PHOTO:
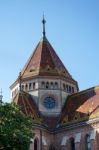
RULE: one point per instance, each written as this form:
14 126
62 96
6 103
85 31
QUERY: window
67 89
36 144
51 85
72 143
26 87
64 87
22 87
43 84
33 85
30 86
88 142
72 89
47 85
56 85
49 102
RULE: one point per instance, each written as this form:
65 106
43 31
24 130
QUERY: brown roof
45 62
28 106
81 106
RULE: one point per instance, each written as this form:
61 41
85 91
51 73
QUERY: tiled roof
28 106
45 62
81 106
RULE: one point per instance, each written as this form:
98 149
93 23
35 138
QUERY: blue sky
72 27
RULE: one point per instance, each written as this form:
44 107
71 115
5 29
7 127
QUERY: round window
49 102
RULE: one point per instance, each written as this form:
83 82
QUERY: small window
33 85
30 86
67 88
26 87
88 142
51 85
22 87
72 89
56 85
47 85
64 87
43 84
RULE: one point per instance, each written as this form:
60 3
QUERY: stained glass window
49 102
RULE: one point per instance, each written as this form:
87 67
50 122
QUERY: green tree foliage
15 128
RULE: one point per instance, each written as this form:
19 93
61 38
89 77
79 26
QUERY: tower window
51 85
64 87
26 87
22 87
43 84
33 85
56 85
47 85
67 89
70 89
30 86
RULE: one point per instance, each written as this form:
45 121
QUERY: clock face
49 102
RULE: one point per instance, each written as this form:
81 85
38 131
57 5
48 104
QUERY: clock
49 102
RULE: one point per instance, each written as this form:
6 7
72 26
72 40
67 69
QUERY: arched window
56 85
33 85
22 87
30 86
51 85
67 89
70 89
43 84
88 142
72 144
64 87
47 85
26 87
36 144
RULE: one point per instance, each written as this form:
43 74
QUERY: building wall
61 140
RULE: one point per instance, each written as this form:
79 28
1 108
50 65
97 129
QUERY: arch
88 142
72 143
36 142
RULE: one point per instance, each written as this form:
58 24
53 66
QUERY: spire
43 21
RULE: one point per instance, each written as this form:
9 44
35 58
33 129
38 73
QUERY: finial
1 96
43 21
20 81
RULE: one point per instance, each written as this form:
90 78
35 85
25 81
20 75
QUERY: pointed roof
44 61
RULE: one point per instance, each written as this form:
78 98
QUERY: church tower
45 78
